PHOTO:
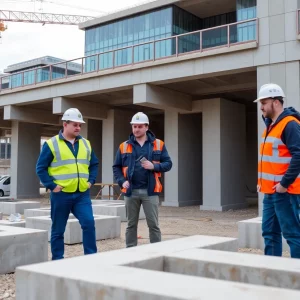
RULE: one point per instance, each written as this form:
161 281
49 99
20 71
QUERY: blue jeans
281 214
81 206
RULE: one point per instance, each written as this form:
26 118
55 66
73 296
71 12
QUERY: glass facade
160 24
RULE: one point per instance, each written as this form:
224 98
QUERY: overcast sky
24 41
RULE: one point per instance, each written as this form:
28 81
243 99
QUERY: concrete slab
37 212
21 246
107 227
147 262
14 224
238 267
8 208
114 210
250 235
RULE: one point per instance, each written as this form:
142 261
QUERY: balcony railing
173 46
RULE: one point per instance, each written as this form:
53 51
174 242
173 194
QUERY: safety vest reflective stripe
272 177
158 145
70 176
125 148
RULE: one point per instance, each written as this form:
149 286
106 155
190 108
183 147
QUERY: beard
270 114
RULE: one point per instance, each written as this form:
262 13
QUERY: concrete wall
172 141
233 153
122 127
190 159
25 152
251 154
224 146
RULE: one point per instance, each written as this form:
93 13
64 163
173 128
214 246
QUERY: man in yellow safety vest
68 167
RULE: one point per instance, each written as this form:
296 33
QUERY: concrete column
25 149
116 129
224 150
287 75
172 177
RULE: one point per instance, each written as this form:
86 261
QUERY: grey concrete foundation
243 276
107 227
14 224
21 246
115 210
250 235
37 212
8 208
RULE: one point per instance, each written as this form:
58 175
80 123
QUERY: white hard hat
270 90
73 114
139 118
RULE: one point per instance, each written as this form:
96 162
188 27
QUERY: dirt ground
174 223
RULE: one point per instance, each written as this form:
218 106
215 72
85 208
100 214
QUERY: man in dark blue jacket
137 168
68 167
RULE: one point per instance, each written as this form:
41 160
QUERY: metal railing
173 46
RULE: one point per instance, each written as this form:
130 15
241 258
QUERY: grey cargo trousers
150 206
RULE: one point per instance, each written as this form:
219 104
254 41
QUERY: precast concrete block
21 246
107 227
37 212
14 224
150 262
250 235
8 208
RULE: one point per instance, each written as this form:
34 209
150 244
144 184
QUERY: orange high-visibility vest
127 148
275 159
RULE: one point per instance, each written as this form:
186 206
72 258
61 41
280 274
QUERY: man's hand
126 185
147 165
89 185
279 188
57 189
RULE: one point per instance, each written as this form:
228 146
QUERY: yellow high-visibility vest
69 172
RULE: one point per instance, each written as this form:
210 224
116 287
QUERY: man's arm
93 168
44 161
117 169
165 164
291 138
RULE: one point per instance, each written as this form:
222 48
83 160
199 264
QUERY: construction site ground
175 223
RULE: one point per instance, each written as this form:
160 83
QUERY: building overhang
200 8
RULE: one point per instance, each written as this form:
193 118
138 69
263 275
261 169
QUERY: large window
246 10
135 30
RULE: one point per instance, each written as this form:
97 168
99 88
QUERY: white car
4 186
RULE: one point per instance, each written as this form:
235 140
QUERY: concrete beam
29 115
161 98
90 110
227 89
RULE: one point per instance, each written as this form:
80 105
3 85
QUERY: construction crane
43 18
